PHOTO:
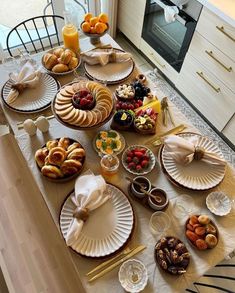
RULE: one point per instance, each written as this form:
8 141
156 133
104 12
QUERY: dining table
54 194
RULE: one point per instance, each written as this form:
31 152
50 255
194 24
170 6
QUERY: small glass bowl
219 203
183 206
133 276
109 164
159 223
141 180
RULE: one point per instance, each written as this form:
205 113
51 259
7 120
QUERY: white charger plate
197 175
33 100
111 73
107 229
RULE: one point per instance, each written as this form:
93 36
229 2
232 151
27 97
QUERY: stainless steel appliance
170 40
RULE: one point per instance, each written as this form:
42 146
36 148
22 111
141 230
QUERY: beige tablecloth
159 282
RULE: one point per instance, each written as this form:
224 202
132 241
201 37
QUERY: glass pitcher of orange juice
70 34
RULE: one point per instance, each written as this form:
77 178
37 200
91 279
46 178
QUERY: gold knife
104 264
117 263
174 130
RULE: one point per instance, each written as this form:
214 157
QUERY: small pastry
77 154
40 156
42 123
58 52
211 240
70 167
73 63
204 219
51 171
57 156
66 57
64 142
59 68
50 60
73 146
52 144
30 127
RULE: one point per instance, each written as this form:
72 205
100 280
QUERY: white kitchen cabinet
206 92
160 62
229 130
130 19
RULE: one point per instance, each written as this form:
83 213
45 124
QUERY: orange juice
70 35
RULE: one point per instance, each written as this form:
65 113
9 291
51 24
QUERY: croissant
73 146
49 60
70 167
64 142
51 171
40 156
56 156
51 144
77 154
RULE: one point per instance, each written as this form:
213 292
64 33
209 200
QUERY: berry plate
138 160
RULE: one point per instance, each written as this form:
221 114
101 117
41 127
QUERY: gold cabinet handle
217 89
210 53
221 29
161 65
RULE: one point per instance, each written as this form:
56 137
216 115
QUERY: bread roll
51 171
73 146
65 57
52 144
70 167
71 52
77 154
49 60
56 156
59 68
58 52
64 142
73 63
40 156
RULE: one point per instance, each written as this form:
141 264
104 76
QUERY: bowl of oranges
95 26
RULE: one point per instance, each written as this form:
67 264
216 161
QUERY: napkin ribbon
184 151
90 194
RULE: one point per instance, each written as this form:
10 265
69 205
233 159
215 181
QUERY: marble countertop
224 9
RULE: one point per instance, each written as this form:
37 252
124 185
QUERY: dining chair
36 34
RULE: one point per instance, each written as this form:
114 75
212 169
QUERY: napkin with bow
89 194
105 57
185 151
27 77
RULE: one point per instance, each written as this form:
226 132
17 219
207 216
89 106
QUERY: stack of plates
198 175
107 229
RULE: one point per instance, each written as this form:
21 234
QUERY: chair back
36 34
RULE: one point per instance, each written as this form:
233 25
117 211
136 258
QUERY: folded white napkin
182 150
27 77
104 57
89 194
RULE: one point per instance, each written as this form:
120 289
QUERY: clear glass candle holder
159 223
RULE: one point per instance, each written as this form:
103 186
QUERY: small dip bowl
136 188
161 194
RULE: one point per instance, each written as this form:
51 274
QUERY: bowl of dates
138 160
171 255
83 100
201 232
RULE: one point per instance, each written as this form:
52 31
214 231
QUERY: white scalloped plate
197 175
111 73
33 100
107 229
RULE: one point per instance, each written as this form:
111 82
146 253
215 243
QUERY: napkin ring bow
81 214
18 87
198 153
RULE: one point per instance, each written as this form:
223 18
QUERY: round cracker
69 89
81 118
98 115
60 107
88 120
94 118
69 116
63 98
64 93
62 113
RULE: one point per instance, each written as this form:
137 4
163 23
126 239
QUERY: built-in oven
170 39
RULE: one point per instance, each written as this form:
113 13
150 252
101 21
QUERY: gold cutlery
118 262
157 140
104 264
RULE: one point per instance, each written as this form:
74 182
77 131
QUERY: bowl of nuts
125 92
201 232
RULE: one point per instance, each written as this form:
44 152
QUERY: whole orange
87 17
103 18
100 27
93 21
93 30
86 27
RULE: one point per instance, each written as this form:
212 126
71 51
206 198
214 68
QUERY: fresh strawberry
130 154
145 158
135 160
89 97
138 168
131 165
128 159
138 154
84 102
144 163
